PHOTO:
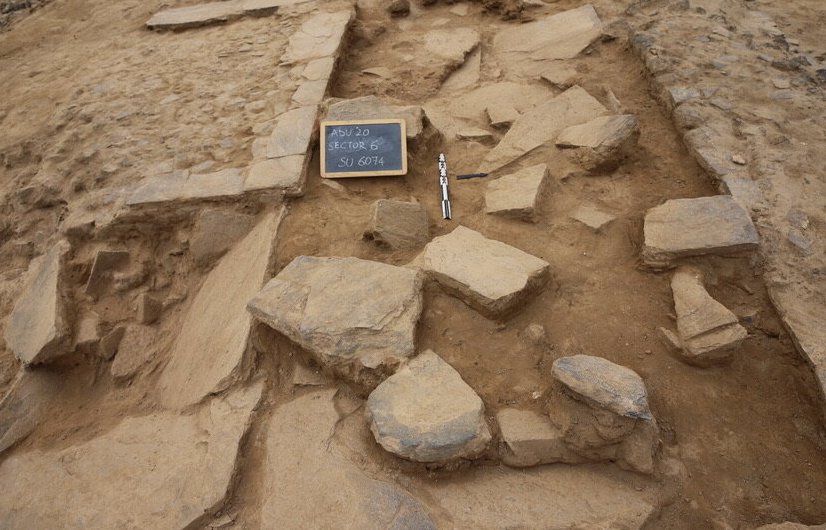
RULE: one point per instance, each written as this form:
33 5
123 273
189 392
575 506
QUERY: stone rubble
170 471
602 143
425 412
542 125
518 194
355 316
682 228
326 489
490 276
708 331
215 331
37 330
397 225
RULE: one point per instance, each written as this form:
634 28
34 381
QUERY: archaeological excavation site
413 264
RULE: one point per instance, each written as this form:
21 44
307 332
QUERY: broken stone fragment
397 225
518 195
542 125
501 116
602 143
109 343
26 403
319 69
37 330
293 132
354 316
164 470
310 92
181 187
87 336
453 44
591 217
529 439
559 74
526 49
692 227
149 308
327 489
215 231
104 264
287 174
399 8
475 134
319 36
425 412
214 335
137 347
490 276
196 15
708 331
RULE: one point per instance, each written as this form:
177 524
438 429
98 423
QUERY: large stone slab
26 403
517 195
210 352
708 331
37 330
195 15
524 49
397 225
542 125
309 483
690 227
319 36
158 471
287 174
182 186
355 316
427 413
548 497
490 276
602 143
293 132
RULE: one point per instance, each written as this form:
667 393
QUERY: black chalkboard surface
363 148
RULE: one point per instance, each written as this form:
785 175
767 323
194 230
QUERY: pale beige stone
453 44
466 75
138 347
591 217
87 335
529 438
319 69
216 230
501 115
601 143
293 132
287 174
163 470
310 92
425 412
26 404
559 74
215 332
518 195
182 186
397 224
490 276
474 133
319 36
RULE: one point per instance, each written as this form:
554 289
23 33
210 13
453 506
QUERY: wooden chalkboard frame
348 174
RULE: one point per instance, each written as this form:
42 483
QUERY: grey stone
602 143
37 330
466 75
163 470
745 191
149 308
525 49
708 331
87 335
310 92
682 94
355 316
542 125
319 36
398 225
216 231
691 227
293 132
591 217
601 383
137 348
518 195
326 489
215 332
529 439
488 275
109 343
26 403
425 412
104 264
287 174
181 187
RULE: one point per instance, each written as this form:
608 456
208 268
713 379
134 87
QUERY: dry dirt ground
91 97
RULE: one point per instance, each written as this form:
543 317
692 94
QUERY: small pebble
739 160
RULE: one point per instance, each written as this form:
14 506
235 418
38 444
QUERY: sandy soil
92 97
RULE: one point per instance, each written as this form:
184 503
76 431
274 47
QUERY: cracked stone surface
518 195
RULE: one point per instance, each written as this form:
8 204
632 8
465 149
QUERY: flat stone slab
691 227
453 44
136 350
397 225
524 49
542 125
353 315
560 74
425 412
517 195
26 403
37 330
599 382
287 174
293 132
158 471
210 352
529 438
215 231
323 488
319 36
490 276
708 331
182 186
601 143
591 217
196 15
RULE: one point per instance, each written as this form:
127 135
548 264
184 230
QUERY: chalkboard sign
363 148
